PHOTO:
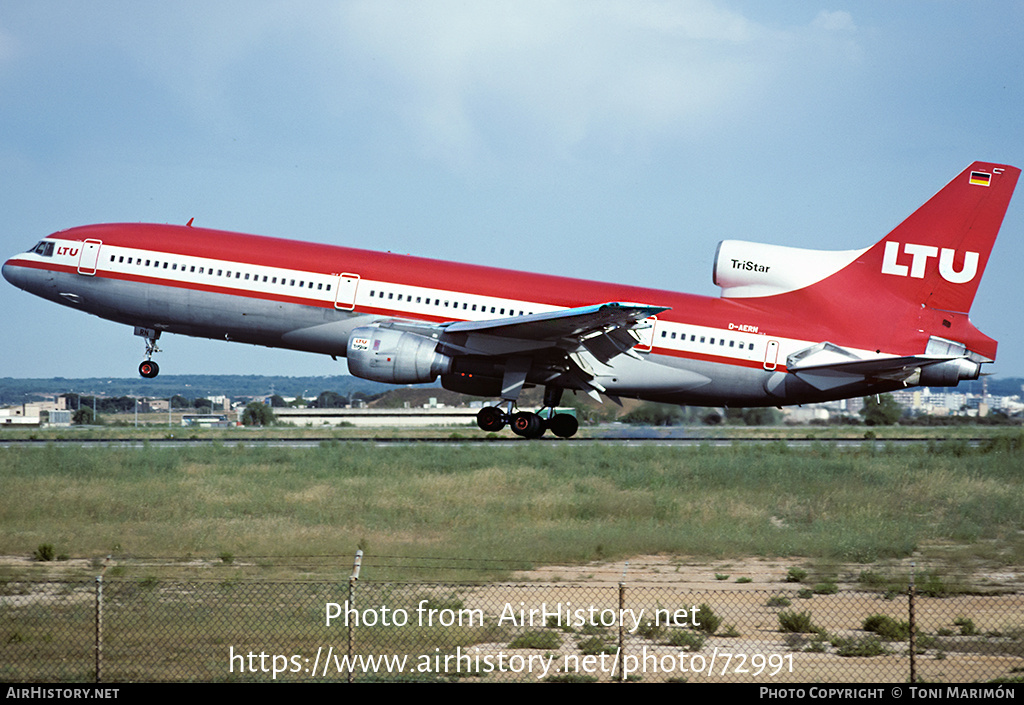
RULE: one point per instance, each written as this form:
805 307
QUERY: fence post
911 592
622 606
98 648
352 605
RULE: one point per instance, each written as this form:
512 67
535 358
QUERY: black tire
490 419
149 369
563 425
527 425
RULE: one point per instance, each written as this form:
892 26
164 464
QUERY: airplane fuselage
792 326
309 297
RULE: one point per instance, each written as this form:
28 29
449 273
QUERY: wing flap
558 343
566 323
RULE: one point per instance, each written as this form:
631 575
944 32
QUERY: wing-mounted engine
747 269
395 356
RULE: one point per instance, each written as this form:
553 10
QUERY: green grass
519 504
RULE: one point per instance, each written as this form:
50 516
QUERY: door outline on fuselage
345 297
646 335
771 355
89 257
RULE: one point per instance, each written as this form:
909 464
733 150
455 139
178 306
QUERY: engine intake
395 357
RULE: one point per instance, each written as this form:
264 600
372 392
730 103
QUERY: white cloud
624 70
837 21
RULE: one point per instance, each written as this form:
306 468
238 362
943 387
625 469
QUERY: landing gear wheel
489 419
527 425
149 369
563 425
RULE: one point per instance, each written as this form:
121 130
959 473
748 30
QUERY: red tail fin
914 285
935 258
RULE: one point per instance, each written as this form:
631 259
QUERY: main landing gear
148 368
528 424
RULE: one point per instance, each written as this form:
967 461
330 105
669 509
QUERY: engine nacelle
394 356
745 269
949 373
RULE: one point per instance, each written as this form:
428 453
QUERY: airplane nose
13 274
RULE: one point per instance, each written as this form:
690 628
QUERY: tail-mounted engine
949 373
745 269
394 356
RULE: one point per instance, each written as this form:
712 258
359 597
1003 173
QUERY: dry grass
525 504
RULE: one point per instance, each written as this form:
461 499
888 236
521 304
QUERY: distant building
33 413
206 420
442 416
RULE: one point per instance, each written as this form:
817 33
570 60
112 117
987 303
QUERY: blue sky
611 140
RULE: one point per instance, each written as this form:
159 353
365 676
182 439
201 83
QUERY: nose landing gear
148 368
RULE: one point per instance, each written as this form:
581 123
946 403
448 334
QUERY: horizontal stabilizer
826 366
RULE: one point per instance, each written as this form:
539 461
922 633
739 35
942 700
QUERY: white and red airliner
792 326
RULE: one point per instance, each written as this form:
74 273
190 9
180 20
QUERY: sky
615 140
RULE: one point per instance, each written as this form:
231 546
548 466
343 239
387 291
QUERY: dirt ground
750 646
763 573
975 634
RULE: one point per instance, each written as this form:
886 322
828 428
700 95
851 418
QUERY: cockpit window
44 248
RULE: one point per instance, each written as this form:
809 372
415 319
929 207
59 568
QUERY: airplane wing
560 347
827 366
604 330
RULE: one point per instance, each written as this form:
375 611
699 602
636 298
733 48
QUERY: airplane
791 326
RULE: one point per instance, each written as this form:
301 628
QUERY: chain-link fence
155 630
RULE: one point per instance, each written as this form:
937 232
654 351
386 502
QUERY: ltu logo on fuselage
920 254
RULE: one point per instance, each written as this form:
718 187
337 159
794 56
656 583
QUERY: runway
449 438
